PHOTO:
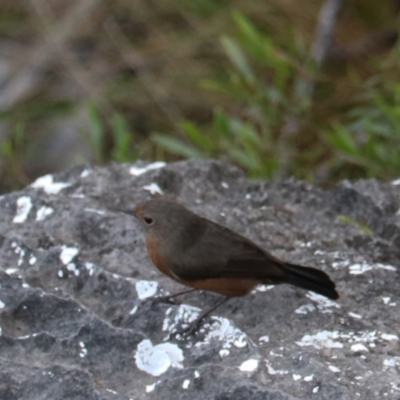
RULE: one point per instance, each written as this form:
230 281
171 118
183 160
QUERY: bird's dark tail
310 279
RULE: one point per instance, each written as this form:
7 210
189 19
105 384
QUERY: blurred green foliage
269 85
193 79
261 78
122 148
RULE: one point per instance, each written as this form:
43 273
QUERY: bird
205 255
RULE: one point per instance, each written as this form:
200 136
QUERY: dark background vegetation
278 87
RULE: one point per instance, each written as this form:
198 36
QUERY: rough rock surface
77 320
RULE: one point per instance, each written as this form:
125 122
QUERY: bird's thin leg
170 296
193 325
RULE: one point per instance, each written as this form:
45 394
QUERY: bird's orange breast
158 260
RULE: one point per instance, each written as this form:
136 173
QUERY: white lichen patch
24 206
156 360
221 329
82 350
48 185
136 171
305 309
86 172
308 378
95 211
90 267
184 315
249 365
146 289
387 336
20 252
185 384
43 213
263 339
358 347
392 362
263 288
354 315
68 254
323 304
296 377
153 188
11 271
322 339
273 371
334 369
361 268
360 341
73 268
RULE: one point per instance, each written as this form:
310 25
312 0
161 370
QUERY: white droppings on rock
224 185
43 212
389 337
11 271
82 350
392 362
2 305
184 315
73 268
90 267
263 339
273 371
60 273
358 269
264 288
322 339
136 171
133 311
221 329
86 172
68 254
95 211
386 267
358 347
48 185
185 383
32 259
155 360
249 365
296 377
196 374
340 264
324 305
354 315
315 390
224 352
146 289
305 309
395 182
24 206
334 369
150 388
153 188
308 378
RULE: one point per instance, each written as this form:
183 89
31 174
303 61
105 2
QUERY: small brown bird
202 254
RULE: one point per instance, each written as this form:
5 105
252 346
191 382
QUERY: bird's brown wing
220 252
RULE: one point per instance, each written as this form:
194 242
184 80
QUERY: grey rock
74 276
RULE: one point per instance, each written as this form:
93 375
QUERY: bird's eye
148 220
